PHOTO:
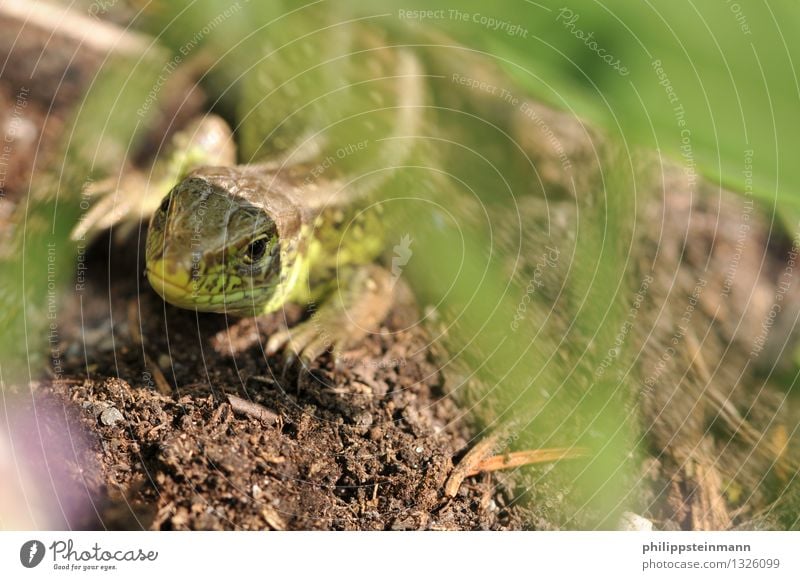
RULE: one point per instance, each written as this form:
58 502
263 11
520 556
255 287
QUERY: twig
162 385
739 426
133 322
68 381
272 518
253 410
99 35
483 449
528 457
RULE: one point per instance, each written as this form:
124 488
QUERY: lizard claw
338 324
277 341
305 341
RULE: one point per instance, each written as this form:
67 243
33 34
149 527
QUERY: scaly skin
247 239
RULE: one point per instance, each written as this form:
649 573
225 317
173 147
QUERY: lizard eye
256 250
165 203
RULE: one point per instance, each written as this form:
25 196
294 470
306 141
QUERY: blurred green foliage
40 266
729 65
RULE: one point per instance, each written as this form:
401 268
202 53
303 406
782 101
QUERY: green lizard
304 222
247 239
301 220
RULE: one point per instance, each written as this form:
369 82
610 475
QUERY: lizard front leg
122 202
354 308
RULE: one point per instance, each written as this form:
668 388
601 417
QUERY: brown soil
146 386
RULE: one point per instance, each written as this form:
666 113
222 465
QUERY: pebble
631 522
110 416
364 419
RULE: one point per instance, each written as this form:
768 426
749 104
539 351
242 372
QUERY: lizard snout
170 280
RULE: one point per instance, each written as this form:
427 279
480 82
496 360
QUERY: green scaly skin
245 241
248 239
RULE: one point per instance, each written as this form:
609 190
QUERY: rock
631 522
110 416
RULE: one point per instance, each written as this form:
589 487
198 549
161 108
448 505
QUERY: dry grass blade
527 457
253 410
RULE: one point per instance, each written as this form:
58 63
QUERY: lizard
247 239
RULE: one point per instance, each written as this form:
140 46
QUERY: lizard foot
350 313
123 202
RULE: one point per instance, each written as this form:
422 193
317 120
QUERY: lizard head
211 250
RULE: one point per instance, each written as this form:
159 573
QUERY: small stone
110 416
631 522
99 407
404 524
105 344
364 419
431 313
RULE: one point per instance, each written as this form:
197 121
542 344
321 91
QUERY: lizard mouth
177 288
173 286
